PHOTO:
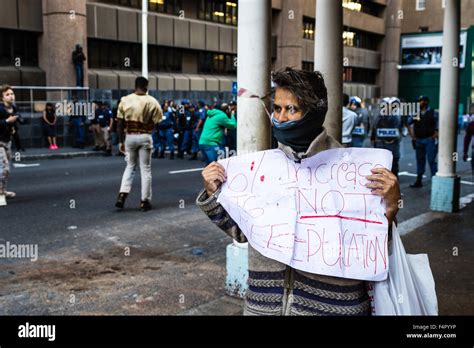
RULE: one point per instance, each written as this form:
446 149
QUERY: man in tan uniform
136 118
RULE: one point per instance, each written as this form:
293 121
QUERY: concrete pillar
145 39
328 59
391 49
253 128
445 188
290 35
64 26
253 74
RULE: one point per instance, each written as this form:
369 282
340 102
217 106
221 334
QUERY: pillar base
237 269
445 192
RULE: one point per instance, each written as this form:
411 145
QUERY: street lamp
145 38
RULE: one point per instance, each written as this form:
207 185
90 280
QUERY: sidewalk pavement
33 154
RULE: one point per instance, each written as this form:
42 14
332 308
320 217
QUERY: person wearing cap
362 126
388 126
276 288
137 116
349 119
424 132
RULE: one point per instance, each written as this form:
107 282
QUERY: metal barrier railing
42 95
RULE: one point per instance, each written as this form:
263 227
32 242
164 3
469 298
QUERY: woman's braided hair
307 86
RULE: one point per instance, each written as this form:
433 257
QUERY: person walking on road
137 116
8 117
49 125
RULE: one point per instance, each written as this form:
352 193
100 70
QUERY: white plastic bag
409 288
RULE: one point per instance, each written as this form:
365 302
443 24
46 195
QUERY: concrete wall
432 16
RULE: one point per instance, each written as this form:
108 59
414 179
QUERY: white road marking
186 171
21 165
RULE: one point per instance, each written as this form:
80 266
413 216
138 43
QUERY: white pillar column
145 38
253 124
445 188
253 74
328 59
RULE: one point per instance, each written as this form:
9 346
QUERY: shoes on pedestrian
180 155
162 154
103 148
55 147
10 194
122 197
145 205
418 183
3 200
108 153
96 148
194 157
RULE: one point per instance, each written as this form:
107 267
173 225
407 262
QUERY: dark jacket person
300 108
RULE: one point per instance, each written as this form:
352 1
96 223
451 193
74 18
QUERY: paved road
66 207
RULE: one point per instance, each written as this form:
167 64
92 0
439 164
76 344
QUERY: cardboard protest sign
317 215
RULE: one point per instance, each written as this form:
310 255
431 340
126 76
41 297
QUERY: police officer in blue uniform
166 132
388 126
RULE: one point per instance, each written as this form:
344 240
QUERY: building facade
421 51
193 44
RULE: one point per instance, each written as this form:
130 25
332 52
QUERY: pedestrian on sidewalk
424 133
300 109
137 116
49 125
8 117
469 139
212 137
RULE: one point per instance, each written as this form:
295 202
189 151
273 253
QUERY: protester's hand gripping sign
316 216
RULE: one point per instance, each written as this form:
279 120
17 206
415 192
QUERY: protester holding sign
275 288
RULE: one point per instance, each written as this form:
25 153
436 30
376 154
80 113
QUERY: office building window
105 54
220 11
308 66
368 7
161 6
216 63
18 48
420 5
308 28
361 39
359 75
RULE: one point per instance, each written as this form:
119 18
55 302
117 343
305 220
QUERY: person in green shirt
212 135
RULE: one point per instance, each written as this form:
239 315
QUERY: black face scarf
300 134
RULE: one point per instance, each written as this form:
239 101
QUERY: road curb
53 156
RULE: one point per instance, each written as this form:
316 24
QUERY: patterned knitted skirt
265 296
